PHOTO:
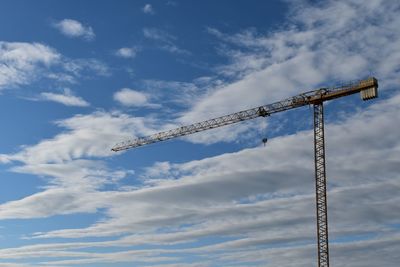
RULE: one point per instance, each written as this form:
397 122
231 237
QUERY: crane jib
367 87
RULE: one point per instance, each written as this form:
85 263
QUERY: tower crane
368 89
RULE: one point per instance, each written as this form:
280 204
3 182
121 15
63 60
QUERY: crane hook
265 140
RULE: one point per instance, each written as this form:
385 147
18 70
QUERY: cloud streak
67 98
165 40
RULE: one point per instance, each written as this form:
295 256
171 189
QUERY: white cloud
73 28
66 98
148 9
48 203
22 63
132 98
126 52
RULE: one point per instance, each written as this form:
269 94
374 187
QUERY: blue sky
78 77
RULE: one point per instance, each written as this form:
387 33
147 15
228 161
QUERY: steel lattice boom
368 89
300 100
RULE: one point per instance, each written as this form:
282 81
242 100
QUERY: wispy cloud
158 35
148 9
132 98
178 93
74 29
22 63
126 52
25 63
171 3
81 67
166 41
66 98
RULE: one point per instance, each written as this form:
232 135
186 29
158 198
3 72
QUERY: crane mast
368 89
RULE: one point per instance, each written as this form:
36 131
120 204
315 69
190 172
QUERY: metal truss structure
320 185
